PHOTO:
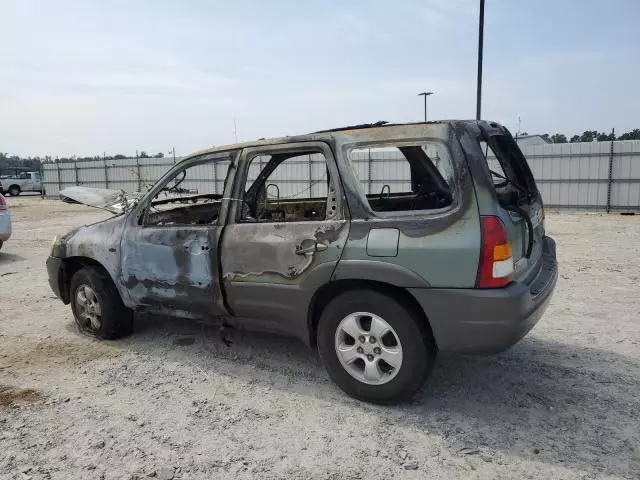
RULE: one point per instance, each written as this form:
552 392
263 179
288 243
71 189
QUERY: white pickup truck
23 182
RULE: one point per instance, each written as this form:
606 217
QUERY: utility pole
480 48
425 95
235 129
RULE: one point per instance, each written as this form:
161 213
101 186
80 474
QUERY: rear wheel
14 190
97 307
374 348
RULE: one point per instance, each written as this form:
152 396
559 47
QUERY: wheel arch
334 288
70 266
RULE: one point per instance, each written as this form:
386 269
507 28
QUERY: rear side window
405 177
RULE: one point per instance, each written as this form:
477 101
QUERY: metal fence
592 176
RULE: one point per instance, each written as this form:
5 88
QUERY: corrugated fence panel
576 175
68 174
625 191
571 175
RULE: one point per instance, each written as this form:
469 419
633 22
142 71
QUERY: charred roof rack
355 127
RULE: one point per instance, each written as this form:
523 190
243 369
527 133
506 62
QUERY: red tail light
3 203
496 263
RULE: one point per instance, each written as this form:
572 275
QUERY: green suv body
402 241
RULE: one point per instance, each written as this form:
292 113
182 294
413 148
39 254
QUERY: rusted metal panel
114 201
99 242
172 269
267 252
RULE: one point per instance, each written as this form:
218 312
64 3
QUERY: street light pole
425 95
480 48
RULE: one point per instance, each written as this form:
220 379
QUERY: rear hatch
520 204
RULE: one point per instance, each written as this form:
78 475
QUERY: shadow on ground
7 258
548 401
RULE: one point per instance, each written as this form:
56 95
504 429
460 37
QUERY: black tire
418 346
115 320
14 190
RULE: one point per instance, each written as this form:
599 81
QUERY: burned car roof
369 129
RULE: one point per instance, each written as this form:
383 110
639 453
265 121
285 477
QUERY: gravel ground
172 401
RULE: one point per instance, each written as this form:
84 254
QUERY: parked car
5 221
451 258
23 182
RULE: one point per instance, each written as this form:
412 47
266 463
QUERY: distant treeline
590 136
10 163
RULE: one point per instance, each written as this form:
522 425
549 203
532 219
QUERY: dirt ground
172 401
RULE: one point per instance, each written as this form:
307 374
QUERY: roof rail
355 127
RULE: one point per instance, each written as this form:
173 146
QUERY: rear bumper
54 269
489 321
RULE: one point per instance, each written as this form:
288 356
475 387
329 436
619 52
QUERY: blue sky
86 77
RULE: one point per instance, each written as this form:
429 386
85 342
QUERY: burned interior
270 195
183 201
424 181
511 178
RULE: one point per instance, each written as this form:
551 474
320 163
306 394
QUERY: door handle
321 247
315 247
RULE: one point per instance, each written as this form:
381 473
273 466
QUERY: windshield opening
192 196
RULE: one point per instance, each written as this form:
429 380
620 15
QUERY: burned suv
402 241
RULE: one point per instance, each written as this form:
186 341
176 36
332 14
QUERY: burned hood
114 201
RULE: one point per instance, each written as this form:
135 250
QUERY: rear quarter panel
442 247
442 258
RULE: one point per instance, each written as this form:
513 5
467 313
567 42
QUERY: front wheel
97 307
14 190
374 348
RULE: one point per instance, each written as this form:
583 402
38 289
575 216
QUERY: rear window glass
405 177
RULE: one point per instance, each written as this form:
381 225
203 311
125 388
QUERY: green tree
588 135
558 138
575 138
159 155
632 135
143 154
605 137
